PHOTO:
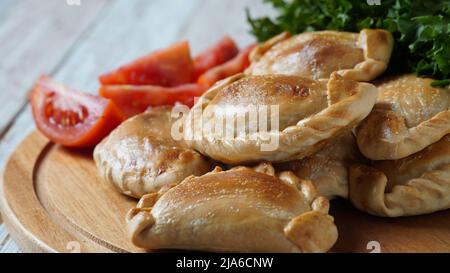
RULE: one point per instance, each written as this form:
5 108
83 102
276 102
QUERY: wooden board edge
26 240
25 231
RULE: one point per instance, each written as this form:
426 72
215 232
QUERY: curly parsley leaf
421 28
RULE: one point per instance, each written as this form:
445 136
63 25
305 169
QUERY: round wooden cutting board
52 200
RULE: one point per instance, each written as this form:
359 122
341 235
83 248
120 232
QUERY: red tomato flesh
221 52
166 67
236 65
70 117
133 100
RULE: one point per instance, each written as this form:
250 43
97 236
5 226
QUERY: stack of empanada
384 146
407 136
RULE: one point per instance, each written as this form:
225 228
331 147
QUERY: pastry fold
329 168
316 55
304 115
409 116
239 210
140 156
417 184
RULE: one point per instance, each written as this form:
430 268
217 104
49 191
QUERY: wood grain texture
126 31
9 246
53 199
35 37
215 18
37 230
3 235
23 125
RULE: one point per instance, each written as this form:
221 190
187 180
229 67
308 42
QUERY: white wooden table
75 43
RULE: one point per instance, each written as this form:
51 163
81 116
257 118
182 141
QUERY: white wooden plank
5 7
216 18
128 30
3 234
9 246
34 37
23 125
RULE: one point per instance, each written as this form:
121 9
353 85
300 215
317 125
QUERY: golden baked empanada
328 168
417 184
140 156
240 210
316 55
409 115
308 114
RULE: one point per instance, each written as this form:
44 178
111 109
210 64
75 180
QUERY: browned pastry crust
140 156
240 210
311 113
409 115
329 168
417 184
316 55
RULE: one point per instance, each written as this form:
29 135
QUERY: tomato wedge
219 53
135 99
166 67
236 65
72 118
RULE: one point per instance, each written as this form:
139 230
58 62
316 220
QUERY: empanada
328 168
239 210
308 114
409 115
417 184
140 156
316 55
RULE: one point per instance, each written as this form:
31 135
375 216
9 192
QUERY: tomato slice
135 99
72 118
167 67
236 65
219 53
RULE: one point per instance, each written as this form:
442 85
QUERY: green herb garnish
421 28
